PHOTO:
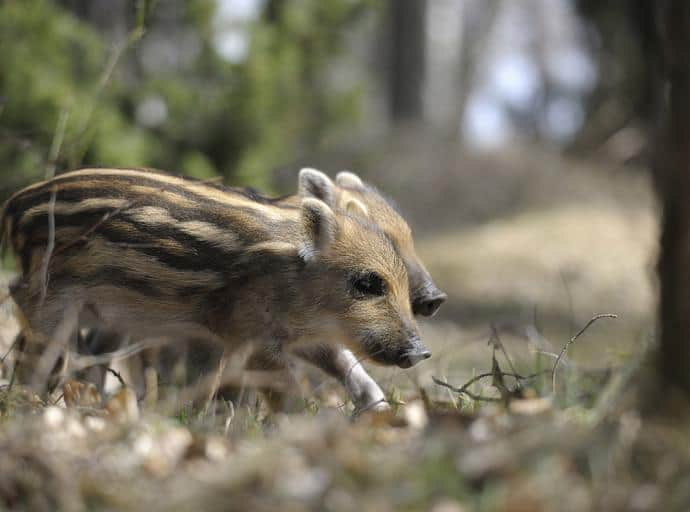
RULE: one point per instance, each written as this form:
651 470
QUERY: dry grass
443 454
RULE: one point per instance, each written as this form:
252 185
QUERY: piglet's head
350 194
360 280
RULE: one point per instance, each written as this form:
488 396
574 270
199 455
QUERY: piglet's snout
414 354
428 301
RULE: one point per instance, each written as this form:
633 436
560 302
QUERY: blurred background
511 133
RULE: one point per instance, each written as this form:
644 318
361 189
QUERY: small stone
53 417
216 449
74 428
143 445
94 423
447 505
415 415
530 406
306 484
175 442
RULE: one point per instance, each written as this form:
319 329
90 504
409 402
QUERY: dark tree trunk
627 62
407 58
672 174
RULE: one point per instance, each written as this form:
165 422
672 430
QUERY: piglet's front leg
342 364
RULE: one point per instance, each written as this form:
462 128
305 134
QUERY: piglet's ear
356 207
320 226
347 179
313 183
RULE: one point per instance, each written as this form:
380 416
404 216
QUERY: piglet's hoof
380 408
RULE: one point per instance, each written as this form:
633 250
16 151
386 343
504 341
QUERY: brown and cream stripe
144 223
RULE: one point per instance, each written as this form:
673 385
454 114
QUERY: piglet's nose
414 356
430 305
418 357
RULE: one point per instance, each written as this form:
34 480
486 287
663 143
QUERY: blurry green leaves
204 117
47 62
288 108
51 65
196 165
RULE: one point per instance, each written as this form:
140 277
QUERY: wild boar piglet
154 255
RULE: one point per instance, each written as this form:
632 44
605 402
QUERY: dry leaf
530 406
80 394
123 406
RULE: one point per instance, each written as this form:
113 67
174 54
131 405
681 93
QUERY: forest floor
521 285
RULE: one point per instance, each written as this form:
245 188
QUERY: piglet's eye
369 285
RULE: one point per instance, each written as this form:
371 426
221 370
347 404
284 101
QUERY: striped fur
162 255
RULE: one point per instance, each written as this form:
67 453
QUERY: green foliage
70 90
47 61
287 106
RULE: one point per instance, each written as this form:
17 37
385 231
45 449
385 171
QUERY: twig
50 247
56 145
9 350
546 353
118 51
117 375
106 217
359 412
495 341
463 390
215 386
571 341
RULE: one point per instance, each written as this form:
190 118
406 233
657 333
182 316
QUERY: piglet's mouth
411 358
401 358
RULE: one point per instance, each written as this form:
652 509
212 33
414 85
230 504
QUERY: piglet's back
159 233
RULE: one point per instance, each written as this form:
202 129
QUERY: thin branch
104 80
9 350
56 145
463 390
216 384
571 341
359 412
495 341
50 247
549 354
117 375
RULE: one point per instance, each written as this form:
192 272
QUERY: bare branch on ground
571 341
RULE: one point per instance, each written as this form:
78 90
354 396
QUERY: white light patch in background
152 111
571 68
562 119
232 45
230 25
514 78
486 125
238 10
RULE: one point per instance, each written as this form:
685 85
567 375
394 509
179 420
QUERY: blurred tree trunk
672 175
627 61
406 81
478 20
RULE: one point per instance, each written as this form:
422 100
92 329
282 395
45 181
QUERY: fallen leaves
80 394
